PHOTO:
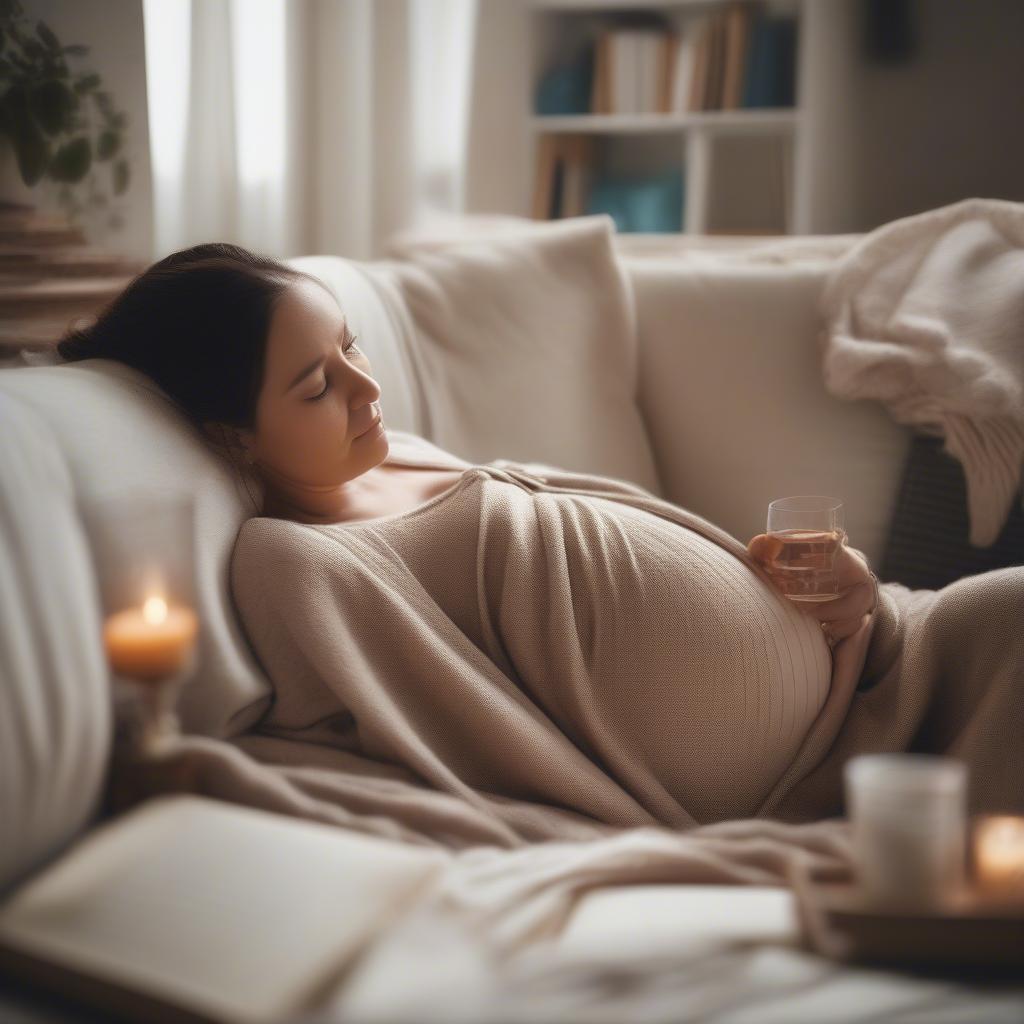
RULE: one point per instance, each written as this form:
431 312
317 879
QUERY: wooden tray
974 933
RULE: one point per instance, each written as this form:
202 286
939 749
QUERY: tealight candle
999 855
151 642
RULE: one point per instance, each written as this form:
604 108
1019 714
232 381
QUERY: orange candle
151 642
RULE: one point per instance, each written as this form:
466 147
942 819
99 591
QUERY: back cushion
120 435
525 346
54 708
732 392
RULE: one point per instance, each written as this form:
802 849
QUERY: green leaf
33 153
47 36
87 82
121 176
10 8
8 121
72 161
108 145
76 49
30 147
34 49
52 104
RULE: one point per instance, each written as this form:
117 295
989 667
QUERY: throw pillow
525 347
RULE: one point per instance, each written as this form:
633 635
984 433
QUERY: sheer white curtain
306 126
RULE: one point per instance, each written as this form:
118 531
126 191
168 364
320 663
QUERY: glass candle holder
809 529
909 818
143 546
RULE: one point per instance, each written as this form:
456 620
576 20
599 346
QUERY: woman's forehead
307 321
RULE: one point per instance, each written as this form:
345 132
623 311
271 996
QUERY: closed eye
327 384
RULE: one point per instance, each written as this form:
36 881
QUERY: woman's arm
858 587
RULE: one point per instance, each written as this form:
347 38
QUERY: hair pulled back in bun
196 322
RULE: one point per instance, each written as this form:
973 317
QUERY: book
547 153
191 909
599 93
738 21
716 62
698 77
623 78
683 72
557 185
578 158
770 79
667 53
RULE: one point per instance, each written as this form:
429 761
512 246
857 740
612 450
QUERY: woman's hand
858 587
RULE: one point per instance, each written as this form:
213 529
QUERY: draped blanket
348 743
489 741
926 315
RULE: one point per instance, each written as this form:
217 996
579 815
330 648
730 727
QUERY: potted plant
59 124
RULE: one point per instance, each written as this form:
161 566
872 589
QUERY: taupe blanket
934 671
541 672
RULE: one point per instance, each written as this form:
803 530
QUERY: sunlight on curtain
441 40
258 59
291 127
217 96
168 27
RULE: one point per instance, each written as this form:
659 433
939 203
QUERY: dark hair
196 322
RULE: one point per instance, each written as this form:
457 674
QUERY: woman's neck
285 498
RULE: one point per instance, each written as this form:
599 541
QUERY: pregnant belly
700 671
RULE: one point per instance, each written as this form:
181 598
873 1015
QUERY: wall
891 141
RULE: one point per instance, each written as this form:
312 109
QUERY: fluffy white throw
926 314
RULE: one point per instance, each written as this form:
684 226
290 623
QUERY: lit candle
999 854
151 642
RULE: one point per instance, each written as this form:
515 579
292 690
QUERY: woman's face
317 398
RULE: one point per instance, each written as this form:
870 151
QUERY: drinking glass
810 527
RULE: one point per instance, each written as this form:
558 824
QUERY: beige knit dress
541 635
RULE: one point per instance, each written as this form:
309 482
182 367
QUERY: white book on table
195 909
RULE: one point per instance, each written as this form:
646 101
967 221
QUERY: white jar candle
909 822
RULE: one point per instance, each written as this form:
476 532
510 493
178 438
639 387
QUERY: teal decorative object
566 89
607 196
652 205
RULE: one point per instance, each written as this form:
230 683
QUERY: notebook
190 909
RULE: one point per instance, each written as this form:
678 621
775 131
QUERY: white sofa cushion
54 709
120 435
732 393
525 347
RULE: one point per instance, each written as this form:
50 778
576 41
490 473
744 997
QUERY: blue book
771 65
566 89
650 205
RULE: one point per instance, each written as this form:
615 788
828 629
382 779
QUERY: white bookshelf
714 148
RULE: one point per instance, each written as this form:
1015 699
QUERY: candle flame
154 610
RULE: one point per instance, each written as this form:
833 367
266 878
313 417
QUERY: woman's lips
370 428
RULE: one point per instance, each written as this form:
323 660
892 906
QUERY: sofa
723 372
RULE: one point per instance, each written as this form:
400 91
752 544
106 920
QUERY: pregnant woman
512 634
